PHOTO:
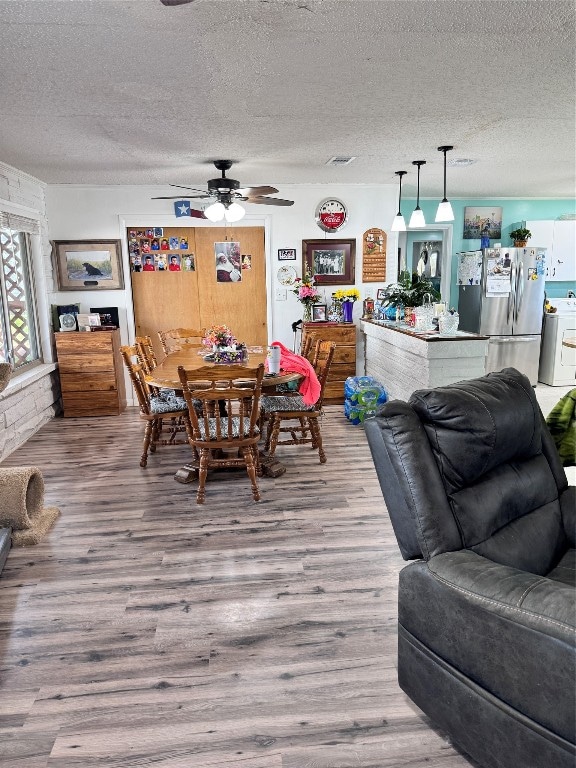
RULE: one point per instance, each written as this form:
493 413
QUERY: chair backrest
472 466
146 352
175 338
308 343
131 357
224 404
322 361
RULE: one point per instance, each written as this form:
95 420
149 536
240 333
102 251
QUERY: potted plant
410 291
520 236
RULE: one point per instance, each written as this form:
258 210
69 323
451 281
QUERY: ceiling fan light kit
417 219
444 212
399 225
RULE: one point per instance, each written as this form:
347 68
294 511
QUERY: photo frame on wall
87 265
286 254
331 262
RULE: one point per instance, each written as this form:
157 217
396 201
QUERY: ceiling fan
176 2
226 192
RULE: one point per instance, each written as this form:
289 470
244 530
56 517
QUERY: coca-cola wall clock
331 214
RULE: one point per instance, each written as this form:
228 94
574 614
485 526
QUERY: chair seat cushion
236 434
167 404
271 404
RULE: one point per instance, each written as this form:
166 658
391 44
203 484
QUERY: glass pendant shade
417 219
215 212
234 212
444 212
398 225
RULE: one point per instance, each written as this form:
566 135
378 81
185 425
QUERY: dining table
194 357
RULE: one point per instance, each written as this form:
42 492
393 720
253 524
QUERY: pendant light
399 225
229 211
417 219
444 212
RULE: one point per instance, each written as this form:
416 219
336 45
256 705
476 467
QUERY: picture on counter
319 312
87 264
228 262
183 243
287 254
148 265
164 244
174 265
331 262
155 244
174 243
380 294
161 263
246 261
482 223
158 231
188 264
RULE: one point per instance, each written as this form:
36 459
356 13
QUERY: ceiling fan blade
269 201
182 197
257 191
192 189
175 2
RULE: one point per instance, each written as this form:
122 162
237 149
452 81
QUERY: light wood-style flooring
148 631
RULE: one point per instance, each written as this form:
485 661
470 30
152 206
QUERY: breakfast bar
404 360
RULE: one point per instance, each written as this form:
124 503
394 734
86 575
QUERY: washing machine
557 362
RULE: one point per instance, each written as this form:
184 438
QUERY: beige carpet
22 505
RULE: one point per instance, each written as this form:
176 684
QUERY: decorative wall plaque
374 256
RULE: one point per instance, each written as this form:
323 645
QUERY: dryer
557 362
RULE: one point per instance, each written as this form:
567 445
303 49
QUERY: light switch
280 294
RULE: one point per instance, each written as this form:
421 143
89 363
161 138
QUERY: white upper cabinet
559 239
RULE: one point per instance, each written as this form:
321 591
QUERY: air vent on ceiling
340 160
461 162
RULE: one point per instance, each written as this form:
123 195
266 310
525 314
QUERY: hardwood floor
149 631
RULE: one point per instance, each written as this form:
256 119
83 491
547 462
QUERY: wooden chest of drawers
91 373
344 360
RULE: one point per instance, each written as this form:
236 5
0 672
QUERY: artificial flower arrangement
224 345
306 293
346 294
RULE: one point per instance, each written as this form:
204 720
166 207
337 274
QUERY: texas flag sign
181 208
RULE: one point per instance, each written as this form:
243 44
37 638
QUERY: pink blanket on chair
289 361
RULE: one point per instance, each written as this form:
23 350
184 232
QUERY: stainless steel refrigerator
501 295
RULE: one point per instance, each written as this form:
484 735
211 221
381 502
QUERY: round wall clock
331 214
287 275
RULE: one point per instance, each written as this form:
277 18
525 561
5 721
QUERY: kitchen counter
404 360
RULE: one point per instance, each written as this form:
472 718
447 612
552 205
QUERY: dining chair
147 355
174 339
155 409
224 431
303 426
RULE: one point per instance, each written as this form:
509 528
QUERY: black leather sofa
486 615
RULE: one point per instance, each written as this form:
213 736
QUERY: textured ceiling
132 92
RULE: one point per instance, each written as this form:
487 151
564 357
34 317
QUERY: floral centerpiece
307 294
224 345
346 297
219 336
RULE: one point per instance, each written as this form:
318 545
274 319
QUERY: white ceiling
132 92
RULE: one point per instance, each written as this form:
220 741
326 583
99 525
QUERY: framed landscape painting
482 222
330 261
87 265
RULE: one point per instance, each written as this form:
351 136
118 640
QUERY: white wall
80 212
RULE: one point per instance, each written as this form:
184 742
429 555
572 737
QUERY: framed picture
286 254
330 261
87 265
482 222
380 294
319 312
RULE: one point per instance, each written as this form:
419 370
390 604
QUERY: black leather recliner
486 616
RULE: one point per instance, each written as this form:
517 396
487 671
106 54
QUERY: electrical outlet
280 294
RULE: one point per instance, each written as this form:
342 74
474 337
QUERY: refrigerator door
497 310
520 352
529 291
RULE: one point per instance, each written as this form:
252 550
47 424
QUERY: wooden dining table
192 357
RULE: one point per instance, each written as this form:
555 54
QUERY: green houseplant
520 236
410 291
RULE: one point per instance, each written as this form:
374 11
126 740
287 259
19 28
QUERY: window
18 328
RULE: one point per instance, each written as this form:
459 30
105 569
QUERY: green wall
514 214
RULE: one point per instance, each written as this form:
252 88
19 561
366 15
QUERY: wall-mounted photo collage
154 250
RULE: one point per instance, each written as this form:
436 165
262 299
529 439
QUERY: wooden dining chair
224 431
303 420
146 353
156 410
174 339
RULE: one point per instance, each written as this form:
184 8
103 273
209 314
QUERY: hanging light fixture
229 211
444 212
234 212
417 219
399 225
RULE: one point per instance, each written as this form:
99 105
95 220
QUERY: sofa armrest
568 511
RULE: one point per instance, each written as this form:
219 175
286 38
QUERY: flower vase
307 313
347 309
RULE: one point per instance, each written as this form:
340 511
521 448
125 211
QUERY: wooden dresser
344 360
91 373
